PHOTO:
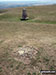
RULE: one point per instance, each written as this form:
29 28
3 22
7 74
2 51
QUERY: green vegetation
0 69
3 10
34 73
52 68
9 17
46 59
38 73
1 41
44 22
11 66
12 18
18 66
19 45
28 73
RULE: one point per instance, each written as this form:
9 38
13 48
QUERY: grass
12 18
40 16
34 73
0 69
38 32
3 10
46 59
19 45
28 73
9 17
18 66
51 67
44 22
11 66
1 41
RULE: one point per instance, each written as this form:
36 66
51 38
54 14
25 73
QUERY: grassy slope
39 31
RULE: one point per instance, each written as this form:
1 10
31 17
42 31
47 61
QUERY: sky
50 1
28 0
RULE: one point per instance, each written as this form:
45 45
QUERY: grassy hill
27 46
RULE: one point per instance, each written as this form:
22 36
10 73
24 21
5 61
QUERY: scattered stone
21 52
25 54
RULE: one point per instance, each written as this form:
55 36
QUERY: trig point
24 15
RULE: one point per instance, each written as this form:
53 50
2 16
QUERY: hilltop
27 46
